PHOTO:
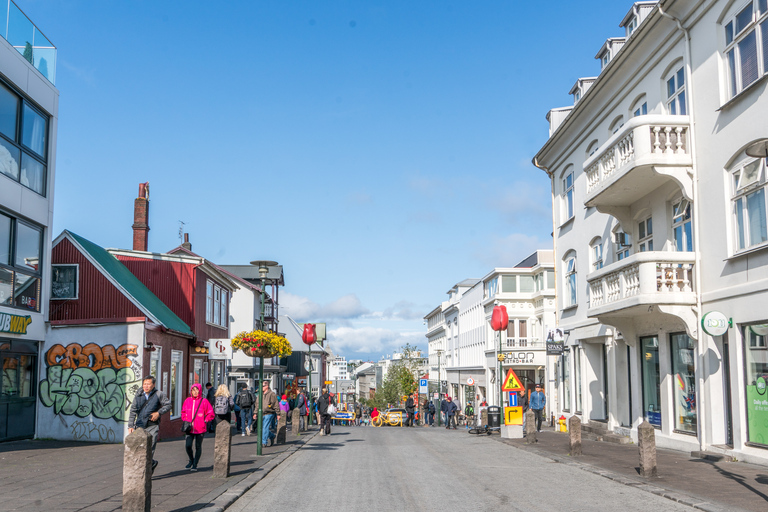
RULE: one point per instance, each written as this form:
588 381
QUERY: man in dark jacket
431 413
301 403
450 414
245 400
409 409
322 408
146 409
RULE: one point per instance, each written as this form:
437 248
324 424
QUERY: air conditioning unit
622 239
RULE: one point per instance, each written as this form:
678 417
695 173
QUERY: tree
401 379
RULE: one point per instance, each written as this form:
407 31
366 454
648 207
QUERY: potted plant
262 344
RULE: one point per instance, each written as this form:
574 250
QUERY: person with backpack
431 413
245 401
469 413
223 403
358 414
410 407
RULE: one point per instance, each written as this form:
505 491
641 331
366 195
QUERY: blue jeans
247 414
268 430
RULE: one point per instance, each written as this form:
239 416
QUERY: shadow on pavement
193 508
326 446
740 479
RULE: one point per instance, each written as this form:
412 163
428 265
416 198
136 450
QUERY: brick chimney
186 244
141 218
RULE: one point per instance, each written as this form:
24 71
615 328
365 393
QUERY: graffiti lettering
85 430
91 356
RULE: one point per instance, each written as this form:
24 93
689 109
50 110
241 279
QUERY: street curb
644 485
232 494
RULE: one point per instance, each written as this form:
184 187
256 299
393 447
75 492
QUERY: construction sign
512 382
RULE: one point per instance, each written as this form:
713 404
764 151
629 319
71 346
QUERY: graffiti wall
88 378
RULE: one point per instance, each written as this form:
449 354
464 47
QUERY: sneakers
247 431
189 465
243 434
193 468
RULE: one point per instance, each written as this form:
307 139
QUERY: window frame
645 234
596 253
732 51
15 270
571 282
680 220
676 101
568 197
216 310
77 280
740 194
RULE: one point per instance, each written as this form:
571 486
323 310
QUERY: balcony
527 343
628 287
646 153
23 35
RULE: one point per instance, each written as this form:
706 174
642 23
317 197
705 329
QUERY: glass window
176 383
28 241
32 174
509 284
35 131
550 280
566 381
9 112
749 207
492 287
209 302
5 239
26 292
26 376
568 196
9 159
224 303
155 364
676 93
10 382
6 287
645 235
570 282
651 380
64 282
216 305
577 376
597 255
526 284
746 46
642 110
756 375
684 377
681 226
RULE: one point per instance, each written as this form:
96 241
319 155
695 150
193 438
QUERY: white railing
524 343
644 139
652 277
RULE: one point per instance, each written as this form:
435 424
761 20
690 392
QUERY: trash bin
494 417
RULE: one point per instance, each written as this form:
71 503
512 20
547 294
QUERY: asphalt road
404 469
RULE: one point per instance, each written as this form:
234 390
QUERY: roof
530 261
229 274
129 284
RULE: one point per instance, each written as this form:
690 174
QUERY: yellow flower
274 343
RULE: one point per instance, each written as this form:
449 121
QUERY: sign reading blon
715 323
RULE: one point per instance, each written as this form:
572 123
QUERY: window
681 226
756 376
492 288
64 282
570 281
631 26
209 302
568 196
645 235
155 364
526 284
550 280
224 303
23 141
576 96
577 376
597 254
216 304
617 124
623 243
746 51
676 93
566 380
593 147
748 182
649 360
604 60
684 382
508 284
20 263
175 392
642 110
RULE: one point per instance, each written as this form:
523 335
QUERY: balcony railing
23 35
524 343
647 141
645 278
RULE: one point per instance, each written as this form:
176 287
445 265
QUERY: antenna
181 230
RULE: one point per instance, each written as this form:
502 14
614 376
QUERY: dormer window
604 60
631 25
576 97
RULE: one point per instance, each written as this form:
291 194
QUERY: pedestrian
210 393
245 401
285 406
301 403
444 410
268 414
238 422
374 415
522 401
147 407
469 413
198 411
450 414
537 403
409 408
223 403
358 414
431 413
323 403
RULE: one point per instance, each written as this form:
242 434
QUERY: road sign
423 386
436 396
512 399
513 415
512 382
470 381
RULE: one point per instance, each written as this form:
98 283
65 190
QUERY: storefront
529 366
756 382
18 359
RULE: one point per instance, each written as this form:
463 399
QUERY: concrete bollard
281 419
484 417
137 472
530 427
574 436
295 420
222 450
646 442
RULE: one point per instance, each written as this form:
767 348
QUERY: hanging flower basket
262 344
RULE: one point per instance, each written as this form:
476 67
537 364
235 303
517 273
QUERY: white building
660 219
337 368
30 105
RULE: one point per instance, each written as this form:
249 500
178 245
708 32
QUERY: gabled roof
127 283
242 282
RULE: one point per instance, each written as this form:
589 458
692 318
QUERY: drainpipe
700 381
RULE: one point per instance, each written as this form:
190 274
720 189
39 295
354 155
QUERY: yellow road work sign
512 382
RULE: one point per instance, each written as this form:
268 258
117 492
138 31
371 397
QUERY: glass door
17 395
649 348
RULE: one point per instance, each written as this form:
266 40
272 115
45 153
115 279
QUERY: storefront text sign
530 357
715 323
14 324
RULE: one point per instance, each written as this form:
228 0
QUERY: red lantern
309 336
499 318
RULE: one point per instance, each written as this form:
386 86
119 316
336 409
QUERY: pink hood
201 406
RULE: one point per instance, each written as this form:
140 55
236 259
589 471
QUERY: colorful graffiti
91 380
87 431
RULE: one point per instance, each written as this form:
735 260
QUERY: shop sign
288 376
303 382
555 342
537 358
715 323
14 324
219 349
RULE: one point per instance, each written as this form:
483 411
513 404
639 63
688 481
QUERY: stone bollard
137 472
222 450
484 417
530 427
295 421
574 436
281 419
646 442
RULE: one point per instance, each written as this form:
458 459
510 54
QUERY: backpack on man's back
245 399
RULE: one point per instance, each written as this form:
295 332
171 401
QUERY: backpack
245 399
222 405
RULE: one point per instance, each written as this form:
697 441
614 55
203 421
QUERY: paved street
434 469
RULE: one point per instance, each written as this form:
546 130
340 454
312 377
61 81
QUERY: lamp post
439 389
263 271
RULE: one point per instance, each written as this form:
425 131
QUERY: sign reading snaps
715 323
14 324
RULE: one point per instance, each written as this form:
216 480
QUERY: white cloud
373 341
403 310
302 309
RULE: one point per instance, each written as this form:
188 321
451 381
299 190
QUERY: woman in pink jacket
198 410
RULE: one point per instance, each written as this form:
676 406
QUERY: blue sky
379 150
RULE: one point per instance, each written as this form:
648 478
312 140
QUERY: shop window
566 381
749 207
20 263
746 51
577 375
756 375
645 235
649 351
681 226
176 391
64 282
684 377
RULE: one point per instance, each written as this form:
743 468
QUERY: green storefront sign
757 412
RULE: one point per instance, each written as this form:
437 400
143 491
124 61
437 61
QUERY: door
17 395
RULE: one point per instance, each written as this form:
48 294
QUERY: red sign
499 318
309 336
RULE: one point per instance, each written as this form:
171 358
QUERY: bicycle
393 420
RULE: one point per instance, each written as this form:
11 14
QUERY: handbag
331 409
186 426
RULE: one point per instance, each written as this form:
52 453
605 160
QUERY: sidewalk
69 476
696 482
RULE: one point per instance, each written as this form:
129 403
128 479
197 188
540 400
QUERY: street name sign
512 382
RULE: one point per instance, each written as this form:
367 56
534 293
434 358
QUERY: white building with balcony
658 180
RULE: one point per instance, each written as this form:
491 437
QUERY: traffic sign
470 381
423 386
513 415
512 399
512 382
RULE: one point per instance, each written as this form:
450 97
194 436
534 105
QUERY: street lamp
263 271
439 388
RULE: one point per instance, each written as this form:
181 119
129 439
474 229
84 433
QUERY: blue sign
654 418
423 383
513 399
344 415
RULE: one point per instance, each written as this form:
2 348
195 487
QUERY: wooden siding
169 428
203 329
97 297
